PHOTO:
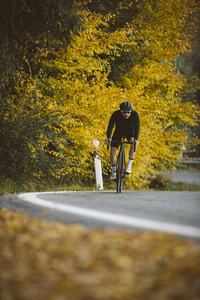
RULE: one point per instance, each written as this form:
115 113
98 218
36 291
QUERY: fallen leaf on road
59 261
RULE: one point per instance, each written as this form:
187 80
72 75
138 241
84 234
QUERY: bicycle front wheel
120 171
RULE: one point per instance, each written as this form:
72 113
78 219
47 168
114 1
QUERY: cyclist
127 124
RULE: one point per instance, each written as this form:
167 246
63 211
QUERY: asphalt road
174 212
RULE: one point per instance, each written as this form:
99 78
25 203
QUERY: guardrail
189 161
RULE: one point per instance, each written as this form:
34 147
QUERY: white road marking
188 231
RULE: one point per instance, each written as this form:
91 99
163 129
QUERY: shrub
32 140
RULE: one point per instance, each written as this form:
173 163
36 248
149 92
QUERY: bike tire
120 171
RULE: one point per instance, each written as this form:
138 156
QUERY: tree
30 146
22 24
79 80
188 64
33 142
22 21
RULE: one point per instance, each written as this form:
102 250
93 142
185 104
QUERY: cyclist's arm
111 125
136 125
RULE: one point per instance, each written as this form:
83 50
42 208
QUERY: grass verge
8 187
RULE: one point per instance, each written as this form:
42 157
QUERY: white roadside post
97 163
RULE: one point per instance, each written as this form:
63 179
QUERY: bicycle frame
120 168
121 163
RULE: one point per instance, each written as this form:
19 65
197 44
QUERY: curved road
174 212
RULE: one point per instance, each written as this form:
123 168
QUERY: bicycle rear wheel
120 171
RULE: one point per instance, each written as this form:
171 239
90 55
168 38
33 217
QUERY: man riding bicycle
127 124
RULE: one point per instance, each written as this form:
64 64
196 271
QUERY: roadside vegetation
7 187
164 183
159 182
68 64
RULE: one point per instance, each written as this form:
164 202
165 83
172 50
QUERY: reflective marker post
98 170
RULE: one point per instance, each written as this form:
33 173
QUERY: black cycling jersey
124 127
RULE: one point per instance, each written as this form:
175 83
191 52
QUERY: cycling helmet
126 106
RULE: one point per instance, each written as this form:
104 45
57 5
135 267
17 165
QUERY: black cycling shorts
117 136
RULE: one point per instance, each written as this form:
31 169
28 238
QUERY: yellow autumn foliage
77 82
43 260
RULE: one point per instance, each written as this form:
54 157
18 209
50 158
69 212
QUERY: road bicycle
121 165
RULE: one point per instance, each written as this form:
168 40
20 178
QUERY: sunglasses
126 112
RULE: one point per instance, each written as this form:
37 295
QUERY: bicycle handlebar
122 142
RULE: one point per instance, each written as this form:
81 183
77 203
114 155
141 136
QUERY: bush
160 181
32 140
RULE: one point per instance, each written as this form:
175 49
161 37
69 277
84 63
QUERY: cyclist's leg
131 154
113 158
113 153
131 151
130 138
114 147
113 161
